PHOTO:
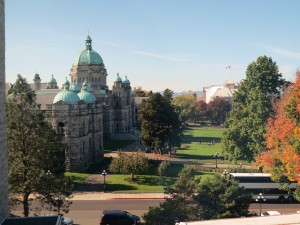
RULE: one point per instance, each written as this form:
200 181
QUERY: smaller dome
85 95
74 87
89 88
118 79
126 81
52 80
66 95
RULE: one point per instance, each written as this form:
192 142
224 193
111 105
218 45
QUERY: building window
60 128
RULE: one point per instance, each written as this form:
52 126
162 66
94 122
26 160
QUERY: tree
201 112
160 122
186 105
139 92
162 168
221 197
282 156
177 204
217 110
131 163
252 106
33 149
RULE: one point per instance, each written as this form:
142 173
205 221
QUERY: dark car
118 217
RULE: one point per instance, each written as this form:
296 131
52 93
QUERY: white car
270 213
67 221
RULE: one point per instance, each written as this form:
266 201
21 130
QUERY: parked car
67 221
270 213
118 217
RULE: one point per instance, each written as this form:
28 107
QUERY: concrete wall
3 145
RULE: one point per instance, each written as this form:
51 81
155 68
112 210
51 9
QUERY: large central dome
88 56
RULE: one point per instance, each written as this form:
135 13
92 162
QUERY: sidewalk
110 196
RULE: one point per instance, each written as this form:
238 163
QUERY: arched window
60 128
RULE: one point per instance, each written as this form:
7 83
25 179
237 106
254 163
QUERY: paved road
87 212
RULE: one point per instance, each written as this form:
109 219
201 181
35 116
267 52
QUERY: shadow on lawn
197 157
84 187
154 181
188 139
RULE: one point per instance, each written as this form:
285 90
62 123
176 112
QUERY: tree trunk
26 204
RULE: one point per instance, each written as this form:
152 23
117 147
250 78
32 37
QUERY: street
87 212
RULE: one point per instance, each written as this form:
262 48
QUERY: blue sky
158 44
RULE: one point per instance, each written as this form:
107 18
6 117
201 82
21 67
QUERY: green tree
252 105
186 105
221 197
33 149
201 112
217 110
177 204
162 168
130 163
160 122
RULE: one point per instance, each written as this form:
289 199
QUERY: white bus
257 183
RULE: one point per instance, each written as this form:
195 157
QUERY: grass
195 147
77 177
144 183
197 144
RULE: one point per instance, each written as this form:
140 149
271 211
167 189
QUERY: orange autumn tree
282 157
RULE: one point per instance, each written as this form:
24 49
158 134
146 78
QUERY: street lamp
216 156
48 173
104 173
260 198
57 204
225 173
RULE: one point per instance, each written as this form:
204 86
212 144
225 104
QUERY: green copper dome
88 56
118 79
52 80
126 81
74 87
85 95
89 88
66 95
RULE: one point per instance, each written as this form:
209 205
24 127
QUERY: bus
257 183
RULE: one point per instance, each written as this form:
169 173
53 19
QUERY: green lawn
196 146
77 177
144 183
197 143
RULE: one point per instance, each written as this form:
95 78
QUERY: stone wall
3 145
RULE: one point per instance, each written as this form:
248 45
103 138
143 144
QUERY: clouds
159 56
283 52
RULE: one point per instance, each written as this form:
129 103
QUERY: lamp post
216 156
225 173
48 173
104 173
260 198
57 204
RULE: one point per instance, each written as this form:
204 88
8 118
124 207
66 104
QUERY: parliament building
85 111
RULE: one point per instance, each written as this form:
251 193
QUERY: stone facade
3 145
84 124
